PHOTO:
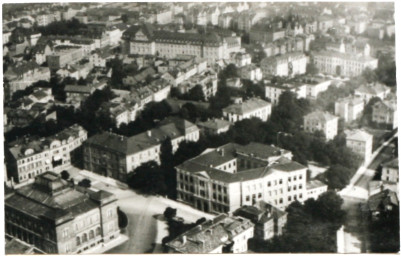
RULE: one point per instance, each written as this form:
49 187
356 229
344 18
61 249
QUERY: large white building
289 64
28 158
321 121
254 107
225 178
146 39
342 64
360 142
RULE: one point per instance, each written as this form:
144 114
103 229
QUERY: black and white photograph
200 127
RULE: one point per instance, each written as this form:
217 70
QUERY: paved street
357 193
141 211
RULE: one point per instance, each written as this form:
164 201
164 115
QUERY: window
109 213
65 232
98 231
247 198
281 181
91 234
289 199
78 240
84 238
268 184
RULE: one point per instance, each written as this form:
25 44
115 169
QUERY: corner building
57 217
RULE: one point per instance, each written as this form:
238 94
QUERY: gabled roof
358 135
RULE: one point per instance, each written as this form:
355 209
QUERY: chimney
149 132
184 239
222 151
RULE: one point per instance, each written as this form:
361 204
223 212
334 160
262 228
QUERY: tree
148 178
311 69
86 183
170 213
122 218
369 75
196 94
65 175
167 165
338 176
124 18
384 232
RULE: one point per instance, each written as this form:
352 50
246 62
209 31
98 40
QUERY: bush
65 175
86 183
170 213
122 218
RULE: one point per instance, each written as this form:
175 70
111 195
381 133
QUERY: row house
321 121
30 157
253 107
59 218
115 156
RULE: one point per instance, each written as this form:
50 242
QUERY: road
357 193
141 211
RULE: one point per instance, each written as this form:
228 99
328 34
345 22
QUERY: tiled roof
78 89
246 106
321 116
53 198
210 235
215 124
358 135
142 141
392 163
373 89
312 184
352 100
382 199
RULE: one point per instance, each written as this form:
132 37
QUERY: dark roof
378 201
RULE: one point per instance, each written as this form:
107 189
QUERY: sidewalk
104 247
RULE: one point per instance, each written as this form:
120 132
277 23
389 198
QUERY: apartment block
321 121
349 108
30 157
115 155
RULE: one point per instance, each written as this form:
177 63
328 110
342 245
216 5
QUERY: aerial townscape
217 127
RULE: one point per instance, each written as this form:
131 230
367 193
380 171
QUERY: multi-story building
250 72
385 112
146 39
360 142
269 220
314 188
273 91
228 177
207 80
288 64
28 158
349 108
214 126
115 156
121 113
321 121
369 91
390 171
64 55
59 218
222 234
23 75
342 64
265 33
253 107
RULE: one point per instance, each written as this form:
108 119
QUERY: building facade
321 121
390 171
349 108
288 64
222 234
28 158
228 177
115 156
385 112
57 217
251 108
